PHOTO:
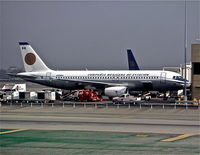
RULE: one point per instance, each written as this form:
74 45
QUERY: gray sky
95 35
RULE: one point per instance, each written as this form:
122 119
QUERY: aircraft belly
168 85
135 85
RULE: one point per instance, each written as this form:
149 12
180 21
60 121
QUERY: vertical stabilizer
131 61
32 62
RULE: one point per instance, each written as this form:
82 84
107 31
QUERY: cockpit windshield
178 78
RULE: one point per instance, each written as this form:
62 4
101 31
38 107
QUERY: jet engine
115 91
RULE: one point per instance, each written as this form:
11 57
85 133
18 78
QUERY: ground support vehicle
126 98
83 95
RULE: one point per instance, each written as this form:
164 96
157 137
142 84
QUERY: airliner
110 83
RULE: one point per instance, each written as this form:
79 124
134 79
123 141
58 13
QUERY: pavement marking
142 136
177 138
11 131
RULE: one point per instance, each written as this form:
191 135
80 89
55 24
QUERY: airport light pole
185 50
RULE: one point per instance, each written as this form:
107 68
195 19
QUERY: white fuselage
133 80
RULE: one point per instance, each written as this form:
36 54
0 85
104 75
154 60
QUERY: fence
104 105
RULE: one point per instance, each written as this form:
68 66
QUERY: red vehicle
88 95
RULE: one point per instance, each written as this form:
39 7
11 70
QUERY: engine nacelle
115 91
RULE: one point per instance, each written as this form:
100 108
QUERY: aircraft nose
188 84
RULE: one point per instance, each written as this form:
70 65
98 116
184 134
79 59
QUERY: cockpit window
178 78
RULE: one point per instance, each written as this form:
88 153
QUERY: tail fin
31 60
131 61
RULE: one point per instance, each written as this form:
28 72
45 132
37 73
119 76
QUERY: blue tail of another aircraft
131 61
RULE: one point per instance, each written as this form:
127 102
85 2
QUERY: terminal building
195 59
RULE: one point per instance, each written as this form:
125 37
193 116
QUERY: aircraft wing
94 83
22 76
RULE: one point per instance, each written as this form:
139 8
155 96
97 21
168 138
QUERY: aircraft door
48 76
163 77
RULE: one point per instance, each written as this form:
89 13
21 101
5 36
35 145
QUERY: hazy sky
95 35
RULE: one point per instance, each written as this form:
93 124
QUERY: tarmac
90 130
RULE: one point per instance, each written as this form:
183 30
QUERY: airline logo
30 59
